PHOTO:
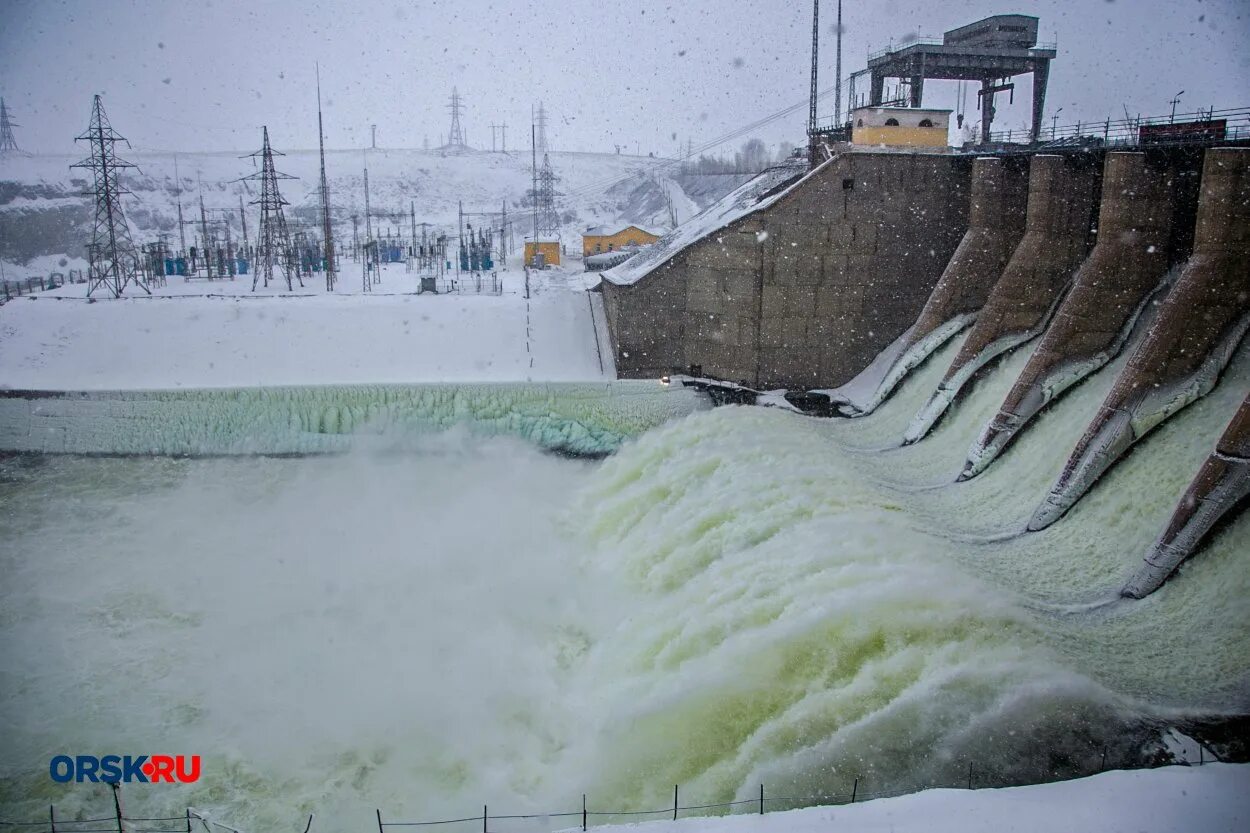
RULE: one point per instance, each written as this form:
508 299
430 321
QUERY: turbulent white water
743 596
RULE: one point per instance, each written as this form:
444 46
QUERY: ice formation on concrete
577 418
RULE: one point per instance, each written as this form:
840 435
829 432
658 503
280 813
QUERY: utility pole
111 254
243 222
503 138
182 235
204 238
493 128
367 279
503 235
1175 100
327 235
373 136
811 105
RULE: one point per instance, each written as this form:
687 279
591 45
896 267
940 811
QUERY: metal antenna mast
111 254
327 236
811 107
542 128
455 136
837 82
7 142
274 238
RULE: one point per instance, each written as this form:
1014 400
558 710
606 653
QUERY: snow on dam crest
590 418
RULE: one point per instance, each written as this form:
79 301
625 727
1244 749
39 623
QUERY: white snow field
1180 799
197 334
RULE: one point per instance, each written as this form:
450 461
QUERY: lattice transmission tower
455 135
8 144
547 220
113 262
273 240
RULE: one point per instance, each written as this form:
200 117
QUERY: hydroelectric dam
835 282
353 596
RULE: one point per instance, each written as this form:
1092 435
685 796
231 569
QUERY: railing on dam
858 789
1203 127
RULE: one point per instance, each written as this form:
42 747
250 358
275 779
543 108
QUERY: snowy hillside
43 212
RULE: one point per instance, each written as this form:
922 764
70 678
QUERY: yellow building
549 249
601 239
908 127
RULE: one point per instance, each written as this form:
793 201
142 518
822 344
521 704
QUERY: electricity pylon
113 261
273 241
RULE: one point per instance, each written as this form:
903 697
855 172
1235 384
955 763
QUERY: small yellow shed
601 239
549 249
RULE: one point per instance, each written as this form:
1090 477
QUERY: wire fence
10 289
466 283
193 821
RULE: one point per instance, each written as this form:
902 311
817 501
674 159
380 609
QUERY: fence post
379 812
854 790
484 816
52 817
761 799
1200 760
188 820
674 802
969 774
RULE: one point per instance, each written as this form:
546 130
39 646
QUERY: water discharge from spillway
743 596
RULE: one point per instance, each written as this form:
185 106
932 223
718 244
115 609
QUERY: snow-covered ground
1212 799
221 334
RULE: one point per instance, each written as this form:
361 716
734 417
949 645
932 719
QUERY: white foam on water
742 596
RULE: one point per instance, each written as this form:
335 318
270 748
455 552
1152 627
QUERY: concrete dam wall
805 291
863 267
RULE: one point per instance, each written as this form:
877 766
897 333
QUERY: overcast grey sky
204 75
